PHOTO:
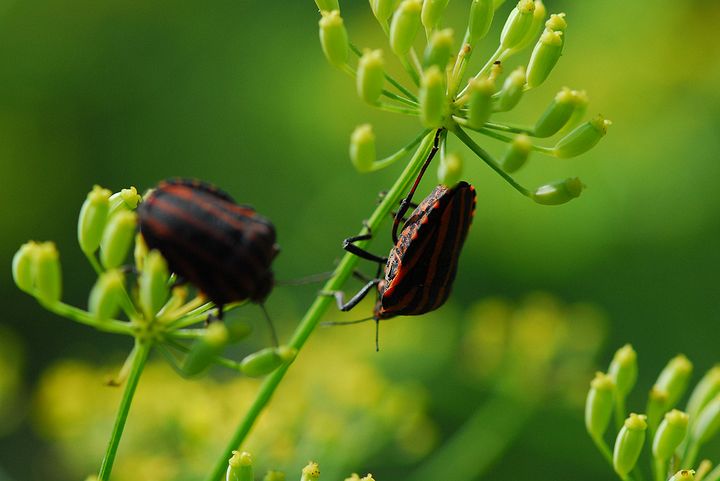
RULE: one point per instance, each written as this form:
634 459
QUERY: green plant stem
320 305
382 163
492 428
499 54
408 66
713 475
509 128
691 453
487 158
505 138
140 354
619 412
603 448
659 469
83 317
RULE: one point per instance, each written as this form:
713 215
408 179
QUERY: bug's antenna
346 323
270 323
377 335
321 276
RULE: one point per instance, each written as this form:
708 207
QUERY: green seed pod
629 443
439 49
311 472
582 138
117 237
369 477
581 100
480 19
353 477
140 252
708 421
556 22
512 90
105 296
92 219
404 26
657 400
432 10
153 284
516 153
22 266
480 104
674 379
433 104
382 9
557 115
670 434
544 57
558 192
334 38
517 25
46 273
362 148
266 360
684 475
450 169
623 370
370 76
240 467
126 199
205 349
706 389
327 5
535 28
599 404
274 476
237 330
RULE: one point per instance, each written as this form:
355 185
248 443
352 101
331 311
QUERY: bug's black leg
349 246
377 335
215 317
355 300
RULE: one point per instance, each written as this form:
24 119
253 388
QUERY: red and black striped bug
421 267
223 248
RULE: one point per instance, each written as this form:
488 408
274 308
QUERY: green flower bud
556 115
558 192
657 400
556 22
433 104
450 169
684 475
629 443
153 284
544 57
480 92
623 370
480 19
516 153
126 199
267 360
311 472
674 379
404 26
382 9
117 238
46 273
535 28
706 389
582 138
240 467
369 477
327 5
599 404
205 349
512 90
581 100
140 252
439 49
362 148
670 434
518 24
274 476
370 76
92 219
708 421
334 38
432 10
353 477
105 296
22 266
498 3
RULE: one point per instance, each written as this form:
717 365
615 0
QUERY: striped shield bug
223 248
421 266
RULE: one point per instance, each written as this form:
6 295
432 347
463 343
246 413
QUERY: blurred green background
238 93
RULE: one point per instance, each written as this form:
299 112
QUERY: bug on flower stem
421 266
223 248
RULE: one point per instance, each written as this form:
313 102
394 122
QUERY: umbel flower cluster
240 468
442 97
673 437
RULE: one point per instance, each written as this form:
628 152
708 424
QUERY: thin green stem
461 63
505 138
390 79
396 109
382 163
140 354
83 317
407 65
320 305
93 262
691 454
513 129
659 469
498 55
487 158
603 448
713 475
619 412
125 302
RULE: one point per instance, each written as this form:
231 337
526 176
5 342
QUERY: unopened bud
22 266
517 153
153 284
267 360
450 169
92 219
518 24
559 192
106 294
544 56
433 104
670 434
370 76
439 49
117 237
334 38
629 443
432 10
327 5
480 102
657 400
535 28
706 389
126 199
684 475
46 273
512 90
556 115
599 404
140 252
311 472
382 9
274 476
556 22
480 19
205 349
708 421
404 26
362 148
674 379
623 370
582 138
240 467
